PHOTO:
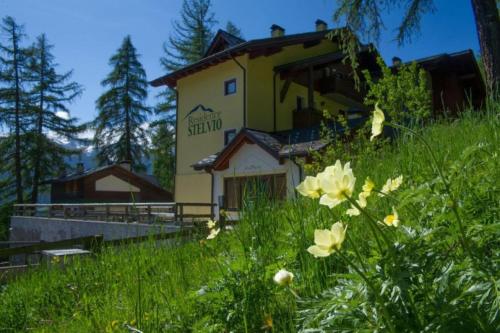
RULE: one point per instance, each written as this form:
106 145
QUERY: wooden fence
179 212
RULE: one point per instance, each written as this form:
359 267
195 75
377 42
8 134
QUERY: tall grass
226 285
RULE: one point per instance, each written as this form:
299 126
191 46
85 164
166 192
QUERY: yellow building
249 108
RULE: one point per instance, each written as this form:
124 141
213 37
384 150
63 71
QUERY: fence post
107 213
149 213
49 211
181 206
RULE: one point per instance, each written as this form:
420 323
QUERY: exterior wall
207 88
26 228
252 160
194 141
260 87
147 192
114 184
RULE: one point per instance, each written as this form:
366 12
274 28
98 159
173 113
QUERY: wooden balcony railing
178 212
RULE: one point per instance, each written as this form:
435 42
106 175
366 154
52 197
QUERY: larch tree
120 126
233 29
51 94
365 17
14 114
188 43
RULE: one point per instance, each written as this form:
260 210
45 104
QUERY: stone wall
24 228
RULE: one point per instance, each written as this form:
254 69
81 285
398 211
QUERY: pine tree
120 133
233 29
189 43
13 112
51 93
192 35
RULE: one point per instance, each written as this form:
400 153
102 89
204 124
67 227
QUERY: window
229 136
300 103
230 87
237 189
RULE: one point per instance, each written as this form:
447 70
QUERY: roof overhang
254 48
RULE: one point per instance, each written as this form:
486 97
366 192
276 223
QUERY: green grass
427 281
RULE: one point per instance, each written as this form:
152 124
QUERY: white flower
213 233
337 183
201 291
283 277
391 185
327 241
378 122
309 187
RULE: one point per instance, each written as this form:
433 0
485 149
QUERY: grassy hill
438 271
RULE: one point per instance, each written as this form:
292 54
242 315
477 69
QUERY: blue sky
87 32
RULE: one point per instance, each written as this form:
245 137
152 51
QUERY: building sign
201 120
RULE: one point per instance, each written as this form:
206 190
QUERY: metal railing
177 212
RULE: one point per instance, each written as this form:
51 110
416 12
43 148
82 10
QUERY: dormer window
230 87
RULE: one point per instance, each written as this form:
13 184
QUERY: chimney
277 31
321 25
396 61
80 168
126 165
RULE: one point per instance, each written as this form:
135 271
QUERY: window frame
226 135
227 83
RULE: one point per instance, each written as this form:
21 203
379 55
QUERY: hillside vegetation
437 271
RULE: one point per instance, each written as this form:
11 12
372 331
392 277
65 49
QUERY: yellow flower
367 190
309 187
283 277
114 324
211 224
393 219
337 183
354 211
368 186
378 122
268 322
327 241
213 233
391 185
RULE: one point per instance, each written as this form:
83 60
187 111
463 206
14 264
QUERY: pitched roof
223 40
254 47
78 175
284 144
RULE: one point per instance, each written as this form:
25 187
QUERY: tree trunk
127 113
39 130
17 153
488 30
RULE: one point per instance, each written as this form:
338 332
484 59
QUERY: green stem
447 186
358 255
393 198
374 290
373 223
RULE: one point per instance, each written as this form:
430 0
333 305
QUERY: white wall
252 160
